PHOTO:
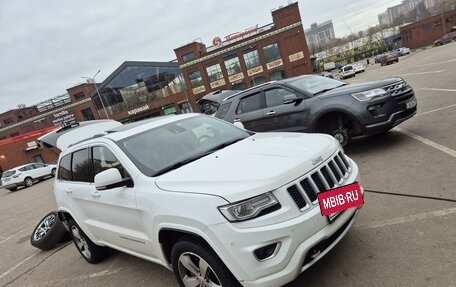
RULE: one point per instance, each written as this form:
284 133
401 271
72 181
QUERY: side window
80 166
38 165
103 159
223 109
274 97
23 168
29 167
64 168
249 104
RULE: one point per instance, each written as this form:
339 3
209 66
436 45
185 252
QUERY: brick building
19 128
247 58
426 31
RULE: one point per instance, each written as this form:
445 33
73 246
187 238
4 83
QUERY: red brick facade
425 32
286 31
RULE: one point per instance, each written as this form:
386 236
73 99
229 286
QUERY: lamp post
98 92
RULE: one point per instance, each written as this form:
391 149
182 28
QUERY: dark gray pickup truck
318 104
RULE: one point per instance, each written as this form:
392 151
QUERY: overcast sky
47 45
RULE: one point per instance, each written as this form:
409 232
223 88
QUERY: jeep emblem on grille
317 160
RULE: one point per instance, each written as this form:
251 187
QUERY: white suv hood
253 166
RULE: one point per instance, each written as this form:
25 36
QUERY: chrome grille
331 174
401 91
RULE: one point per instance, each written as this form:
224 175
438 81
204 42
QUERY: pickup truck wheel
196 264
91 252
342 135
49 231
28 182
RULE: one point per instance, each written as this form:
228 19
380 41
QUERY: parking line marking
440 90
74 279
17 265
20 231
422 73
428 142
436 110
410 218
437 63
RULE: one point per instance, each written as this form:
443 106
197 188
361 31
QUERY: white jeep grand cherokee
218 205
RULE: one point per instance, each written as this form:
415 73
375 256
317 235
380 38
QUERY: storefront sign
296 56
138 110
63 118
198 90
274 64
255 71
241 35
217 83
236 77
217 42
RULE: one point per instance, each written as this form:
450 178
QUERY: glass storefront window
195 79
271 52
278 75
252 59
214 72
188 57
257 81
233 66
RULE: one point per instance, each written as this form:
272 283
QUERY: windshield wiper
198 156
329 89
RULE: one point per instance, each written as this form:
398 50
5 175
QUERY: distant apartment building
407 11
318 35
383 19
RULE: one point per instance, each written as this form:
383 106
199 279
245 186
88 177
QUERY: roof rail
251 88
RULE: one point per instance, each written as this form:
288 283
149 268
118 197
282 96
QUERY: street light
98 92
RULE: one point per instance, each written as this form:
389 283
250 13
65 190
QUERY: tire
91 252
12 188
49 231
28 182
53 172
342 135
187 256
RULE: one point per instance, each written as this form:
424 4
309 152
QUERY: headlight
367 95
250 208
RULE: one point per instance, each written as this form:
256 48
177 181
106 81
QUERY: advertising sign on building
138 110
217 83
255 71
198 90
296 56
274 64
236 77
63 118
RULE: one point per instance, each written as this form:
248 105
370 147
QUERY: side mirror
291 98
111 178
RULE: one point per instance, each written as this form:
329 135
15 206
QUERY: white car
402 51
218 205
26 175
346 72
359 68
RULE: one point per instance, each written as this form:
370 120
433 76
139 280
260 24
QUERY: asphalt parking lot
396 241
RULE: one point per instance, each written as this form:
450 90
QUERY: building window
311 39
271 52
450 19
327 34
188 57
195 79
277 75
233 66
214 72
87 114
437 23
8 121
185 108
239 86
257 81
252 59
321 35
79 96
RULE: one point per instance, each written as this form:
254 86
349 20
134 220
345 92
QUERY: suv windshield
170 146
315 85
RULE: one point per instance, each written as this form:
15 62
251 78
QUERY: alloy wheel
44 227
80 242
195 271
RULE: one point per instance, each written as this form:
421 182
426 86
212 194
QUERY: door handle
95 194
271 113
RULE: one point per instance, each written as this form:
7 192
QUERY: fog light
266 252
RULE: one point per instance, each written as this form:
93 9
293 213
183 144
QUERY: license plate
411 104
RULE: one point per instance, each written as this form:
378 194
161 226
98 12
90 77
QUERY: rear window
348 68
64 168
8 173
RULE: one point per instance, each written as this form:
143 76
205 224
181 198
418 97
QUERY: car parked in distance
327 75
317 104
218 205
359 68
389 59
26 175
402 51
346 72
445 39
